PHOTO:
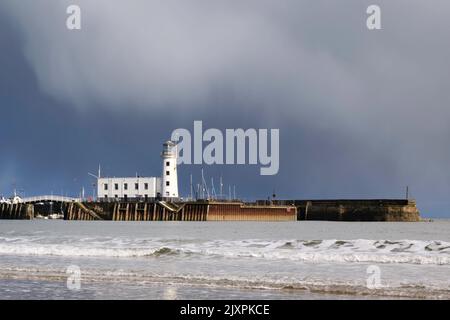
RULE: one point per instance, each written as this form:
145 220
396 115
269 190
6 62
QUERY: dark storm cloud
361 113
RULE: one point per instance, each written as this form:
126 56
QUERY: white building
144 187
128 188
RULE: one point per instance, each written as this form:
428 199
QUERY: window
167 183
136 186
106 197
167 194
167 163
125 186
116 196
106 186
167 173
146 186
116 186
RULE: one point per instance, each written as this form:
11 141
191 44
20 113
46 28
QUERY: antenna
93 175
221 187
99 171
234 192
213 190
204 185
192 189
229 192
93 185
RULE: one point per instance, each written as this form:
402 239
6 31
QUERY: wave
312 251
73 251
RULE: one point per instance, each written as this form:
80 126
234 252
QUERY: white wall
154 186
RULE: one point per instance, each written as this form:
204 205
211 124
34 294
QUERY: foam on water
309 251
283 258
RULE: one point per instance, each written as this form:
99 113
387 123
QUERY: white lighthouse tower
169 181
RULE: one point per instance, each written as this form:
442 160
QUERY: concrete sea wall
356 210
280 210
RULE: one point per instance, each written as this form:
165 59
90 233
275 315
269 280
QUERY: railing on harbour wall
49 198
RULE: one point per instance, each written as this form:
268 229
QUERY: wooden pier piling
18 211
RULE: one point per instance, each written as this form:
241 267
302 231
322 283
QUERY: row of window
136 186
126 197
125 186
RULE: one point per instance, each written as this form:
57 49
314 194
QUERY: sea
56 259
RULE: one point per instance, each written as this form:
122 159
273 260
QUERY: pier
18 211
183 211
203 210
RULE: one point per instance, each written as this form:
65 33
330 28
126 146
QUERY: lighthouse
169 179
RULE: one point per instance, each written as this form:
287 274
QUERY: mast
204 185
192 189
213 190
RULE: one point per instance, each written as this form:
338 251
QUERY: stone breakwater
280 210
402 210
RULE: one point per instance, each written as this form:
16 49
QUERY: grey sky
361 113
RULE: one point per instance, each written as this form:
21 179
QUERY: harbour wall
404 210
250 212
279 210
186 211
